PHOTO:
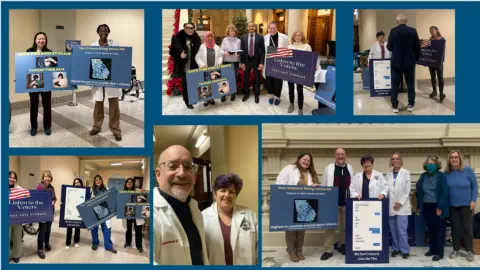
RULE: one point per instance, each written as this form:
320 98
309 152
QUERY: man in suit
404 44
252 57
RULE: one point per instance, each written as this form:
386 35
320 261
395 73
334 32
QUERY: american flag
426 43
273 52
18 193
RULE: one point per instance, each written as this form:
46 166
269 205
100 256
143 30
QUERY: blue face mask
431 168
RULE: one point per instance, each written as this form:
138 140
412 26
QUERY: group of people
441 196
40 42
248 53
223 234
43 238
403 48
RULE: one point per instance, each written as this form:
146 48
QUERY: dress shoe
429 253
48 131
433 94
94 247
212 101
16 260
405 255
94 132
395 253
341 249
293 257
223 99
437 258
300 256
276 102
244 98
118 137
257 99
140 250
33 131
190 106
206 103
232 98
270 100
41 254
113 250
48 247
326 256
442 97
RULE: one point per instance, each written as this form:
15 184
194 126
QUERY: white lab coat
171 245
282 43
376 51
243 236
378 185
399 191
290 175
328 174
201 57
97 92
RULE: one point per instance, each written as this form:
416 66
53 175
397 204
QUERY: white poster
367 226
74 196
381 75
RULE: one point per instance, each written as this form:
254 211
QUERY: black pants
76 238
274 86
439 73
47 108
461 219
184 88
44 234
138 233
436 228
397 76
291 94
246 79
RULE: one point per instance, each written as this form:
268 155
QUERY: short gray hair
401 18
434 159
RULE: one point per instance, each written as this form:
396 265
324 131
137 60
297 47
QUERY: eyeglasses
174 166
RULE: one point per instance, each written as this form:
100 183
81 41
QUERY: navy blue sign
380 77
367 231
296 66
432 53
100 209
326 91
46 71
72 196
133 204
102 66
211 82
37 208
303 208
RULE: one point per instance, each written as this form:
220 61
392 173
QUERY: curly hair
227 180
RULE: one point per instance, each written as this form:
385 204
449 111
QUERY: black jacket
404 44
258 49
178 45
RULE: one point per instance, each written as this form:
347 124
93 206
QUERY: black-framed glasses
174 166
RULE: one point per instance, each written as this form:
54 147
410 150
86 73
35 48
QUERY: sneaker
290 108
33 131
41 254
126 246
16 260
405 255
48 131
326 256
76 245
395 110
395 253
48 247
410 108
67 247
454 254
300 256
113 250
293 257
470 256
300 112
140 250
437 258
94 247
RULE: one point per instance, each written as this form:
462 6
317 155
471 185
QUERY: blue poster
326 91
69 44
100 209
432 53
211 82
380 77
46 71
303 208
133 204
292 65
36 208
102 66
72 196
367 231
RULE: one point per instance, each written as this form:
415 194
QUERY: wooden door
322 34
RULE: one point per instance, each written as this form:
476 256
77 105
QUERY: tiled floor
424 105
278 257
174 105
71 126
84 253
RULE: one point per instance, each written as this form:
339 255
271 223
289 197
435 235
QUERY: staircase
168 19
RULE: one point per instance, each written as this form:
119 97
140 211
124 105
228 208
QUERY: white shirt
290 175
376 51
378 185
399 191
201 57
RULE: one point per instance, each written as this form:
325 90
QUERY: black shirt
275 40
341 179
365 184
182 210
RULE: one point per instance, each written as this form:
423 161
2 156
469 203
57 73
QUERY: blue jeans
106 236
398 228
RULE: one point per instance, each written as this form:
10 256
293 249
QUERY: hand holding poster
211 82
291 65
303 208
100 209
133 204
72 196
46 71
69 44
432 53
36 208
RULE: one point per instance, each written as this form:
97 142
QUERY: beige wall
14 164
262 16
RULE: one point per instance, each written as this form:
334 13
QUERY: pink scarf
211 44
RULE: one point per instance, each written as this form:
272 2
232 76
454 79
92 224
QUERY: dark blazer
258 50
441 191
404 44
178 45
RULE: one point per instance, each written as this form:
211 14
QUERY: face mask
431 168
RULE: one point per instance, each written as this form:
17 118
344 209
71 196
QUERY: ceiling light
116 164
201 139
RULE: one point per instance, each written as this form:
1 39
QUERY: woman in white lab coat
379 48
369 183
399 186
102 93
231 231
302 173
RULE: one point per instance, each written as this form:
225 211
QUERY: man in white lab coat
337 174
178 223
